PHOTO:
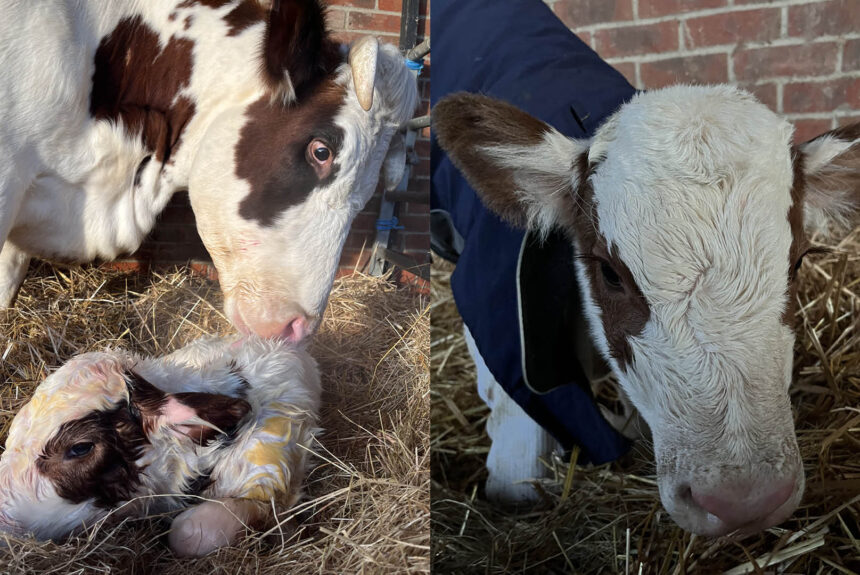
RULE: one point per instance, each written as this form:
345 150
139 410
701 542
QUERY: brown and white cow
108 108
687 211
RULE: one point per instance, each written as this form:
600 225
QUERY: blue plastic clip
415 64
388 225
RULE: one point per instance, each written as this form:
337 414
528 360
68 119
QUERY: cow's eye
610 277
79 449
322 154
319 152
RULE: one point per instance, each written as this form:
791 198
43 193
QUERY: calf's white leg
518 442
13 268
211 525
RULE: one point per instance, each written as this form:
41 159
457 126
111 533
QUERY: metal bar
419 51
408 25
417 123
407 263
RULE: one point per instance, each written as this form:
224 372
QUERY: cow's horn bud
362 60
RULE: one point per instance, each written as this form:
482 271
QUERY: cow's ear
831 171
523 169
200 416
297 51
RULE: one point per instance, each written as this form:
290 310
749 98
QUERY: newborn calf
228 421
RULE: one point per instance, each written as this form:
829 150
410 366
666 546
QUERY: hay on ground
611 520
367 509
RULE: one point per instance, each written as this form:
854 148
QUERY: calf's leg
518 442
13 268
214 524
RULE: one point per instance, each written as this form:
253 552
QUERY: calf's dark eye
79 449
612 279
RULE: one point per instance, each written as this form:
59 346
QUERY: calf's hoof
203 529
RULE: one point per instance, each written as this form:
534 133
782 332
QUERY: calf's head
687 212
276 183
96 434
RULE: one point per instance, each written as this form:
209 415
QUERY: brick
824 18
764 93
422 148
847 120
357 240
707 69
576 13
655 8
418 242
335 19
805 130
732 28
634 40
416 208
364 223
374 21
415 223
801 60
370 4
628 70
802 97
851 55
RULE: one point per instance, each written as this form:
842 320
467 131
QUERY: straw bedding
608 519
367 509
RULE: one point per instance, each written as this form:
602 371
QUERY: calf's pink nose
742 504
294 329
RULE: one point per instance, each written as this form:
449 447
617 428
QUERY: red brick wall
801 58
175 239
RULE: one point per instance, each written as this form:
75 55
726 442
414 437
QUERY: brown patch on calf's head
271 153
137 81
296 41
623 312
93 458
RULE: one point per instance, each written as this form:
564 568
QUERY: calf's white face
686 211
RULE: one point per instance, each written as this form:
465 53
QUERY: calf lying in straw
228 422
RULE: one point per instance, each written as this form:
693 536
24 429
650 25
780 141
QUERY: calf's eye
322 154
610 277
79 449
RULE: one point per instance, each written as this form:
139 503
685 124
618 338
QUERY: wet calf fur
688 212
277 133
227 421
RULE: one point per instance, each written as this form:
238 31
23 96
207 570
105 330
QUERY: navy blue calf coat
518 51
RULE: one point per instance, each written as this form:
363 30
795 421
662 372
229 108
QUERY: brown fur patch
271 154
625 312
107 474
464 124
222 411
840 179
137 81
297 41
243 16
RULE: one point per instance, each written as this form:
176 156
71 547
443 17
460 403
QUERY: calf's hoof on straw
203 529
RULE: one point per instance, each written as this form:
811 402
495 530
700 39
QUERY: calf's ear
831 171
523 169
200 416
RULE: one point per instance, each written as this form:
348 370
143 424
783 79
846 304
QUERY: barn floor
608 519
368 505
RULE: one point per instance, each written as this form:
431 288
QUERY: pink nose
294 329
745 503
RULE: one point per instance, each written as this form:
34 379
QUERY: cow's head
96 434
687 213
276 184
